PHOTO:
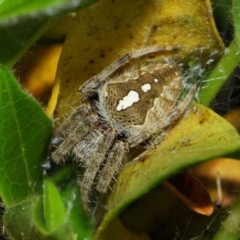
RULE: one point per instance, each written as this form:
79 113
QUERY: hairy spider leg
81 125
114 162
183 103
85 147
77 116
91 86
104 144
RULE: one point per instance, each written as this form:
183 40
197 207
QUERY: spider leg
137 139
114 162
77 116
91 86
182 104
85 147
97 157
81 122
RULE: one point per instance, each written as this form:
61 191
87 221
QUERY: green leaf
230 227
199 136
64 174
38 217
63 217
236 21
23 22
18 221
12 9
54 211
66 207
55 216
82 225
25 131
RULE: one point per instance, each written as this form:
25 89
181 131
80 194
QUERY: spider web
163 216
207 231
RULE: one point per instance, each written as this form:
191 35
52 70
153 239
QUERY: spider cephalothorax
131 108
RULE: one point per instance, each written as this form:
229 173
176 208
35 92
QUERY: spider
119 113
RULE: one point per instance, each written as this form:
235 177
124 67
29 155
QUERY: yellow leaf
117 231
197 137
37 69
105 31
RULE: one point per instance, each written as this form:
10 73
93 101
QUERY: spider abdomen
133 100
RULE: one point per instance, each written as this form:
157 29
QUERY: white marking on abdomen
146 87
128 100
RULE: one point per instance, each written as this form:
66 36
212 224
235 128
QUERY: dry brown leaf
192 192
229 172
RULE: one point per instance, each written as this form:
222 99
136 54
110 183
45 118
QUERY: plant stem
219 74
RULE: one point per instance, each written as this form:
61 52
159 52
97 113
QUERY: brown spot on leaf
185 143
154 28
143 158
